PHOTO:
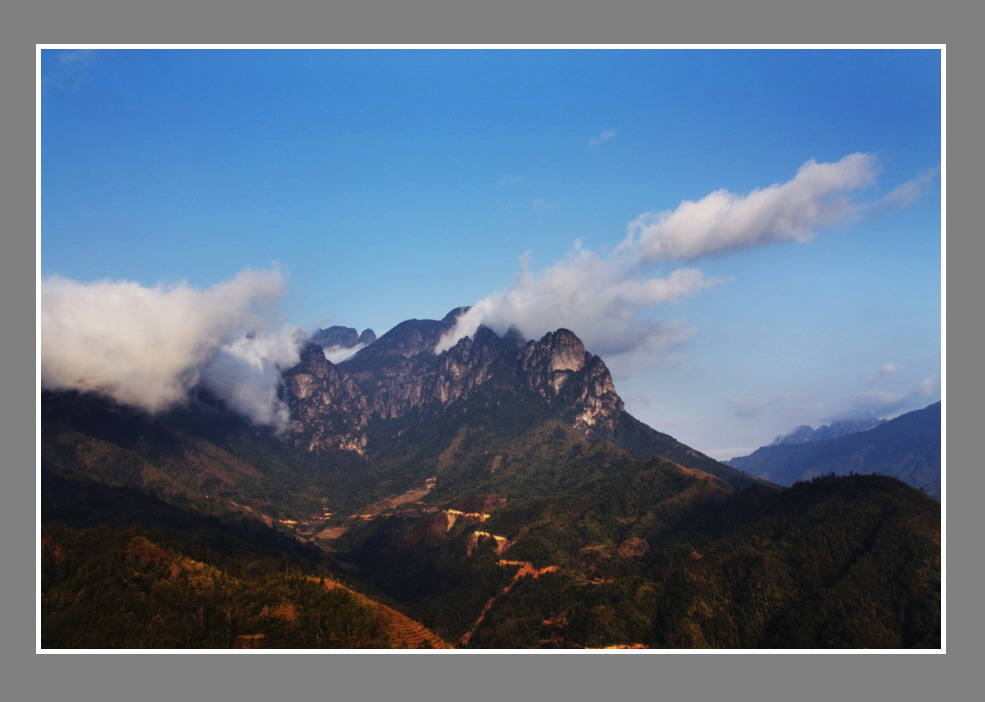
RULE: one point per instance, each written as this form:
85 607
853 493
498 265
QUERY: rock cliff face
333 404
328 408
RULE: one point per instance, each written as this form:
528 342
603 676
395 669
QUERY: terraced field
404 631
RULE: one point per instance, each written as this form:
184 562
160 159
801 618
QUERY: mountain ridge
907 447
805 433
440 480
334 404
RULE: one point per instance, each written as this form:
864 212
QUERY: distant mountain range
805 434
907 447
497 493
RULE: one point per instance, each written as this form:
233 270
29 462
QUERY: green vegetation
83 504
207 471
130 588
839 562
642 551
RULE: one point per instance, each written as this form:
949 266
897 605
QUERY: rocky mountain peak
399 372
799 434
567 351
806 434
328 409
553 360
342 337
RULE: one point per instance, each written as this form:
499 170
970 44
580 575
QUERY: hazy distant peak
805 434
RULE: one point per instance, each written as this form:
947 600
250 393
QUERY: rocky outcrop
559 369
332 404
597 407
328 408
548 364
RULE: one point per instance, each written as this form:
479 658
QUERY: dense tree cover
838 562
646 553
197 457
129 588
83 504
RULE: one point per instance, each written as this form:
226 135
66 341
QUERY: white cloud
723 221
75 57
886 371
876 403
884 404
908 192
543 207
930 386
604 298
246 374
148 346
605 136
654 342
510 180
599 298
337 354
70 70
750 407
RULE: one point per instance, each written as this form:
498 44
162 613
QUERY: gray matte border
27 676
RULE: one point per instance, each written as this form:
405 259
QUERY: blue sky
396 184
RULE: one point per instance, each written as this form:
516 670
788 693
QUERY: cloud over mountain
598 297
148 346
604 297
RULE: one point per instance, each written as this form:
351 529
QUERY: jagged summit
805 433
342 337
334 403
336 406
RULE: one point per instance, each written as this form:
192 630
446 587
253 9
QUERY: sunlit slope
129 588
